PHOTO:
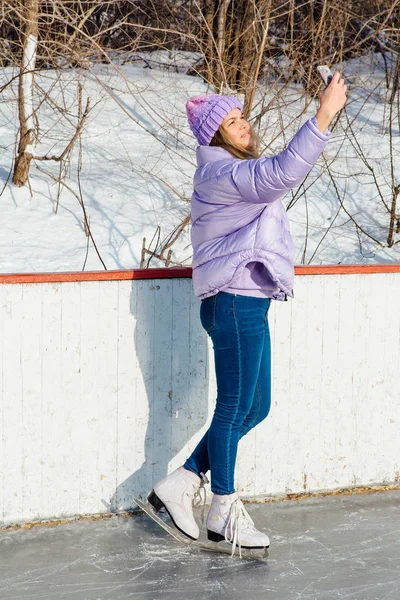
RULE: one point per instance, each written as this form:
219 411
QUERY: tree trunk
210 50
395 188
395 84
222 42
256 59
234 37
25 94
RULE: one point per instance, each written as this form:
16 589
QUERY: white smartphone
325 74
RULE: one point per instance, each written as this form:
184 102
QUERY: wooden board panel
107 385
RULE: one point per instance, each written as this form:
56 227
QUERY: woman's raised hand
331 101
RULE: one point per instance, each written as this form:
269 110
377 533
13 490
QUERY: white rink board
107 385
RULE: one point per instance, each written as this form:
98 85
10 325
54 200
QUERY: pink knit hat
206 112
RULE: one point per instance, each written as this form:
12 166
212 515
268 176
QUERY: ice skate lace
238 516
200 495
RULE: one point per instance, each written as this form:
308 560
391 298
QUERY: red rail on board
182 272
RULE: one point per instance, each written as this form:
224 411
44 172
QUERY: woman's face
237 129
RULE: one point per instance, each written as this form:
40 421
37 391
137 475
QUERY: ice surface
337 547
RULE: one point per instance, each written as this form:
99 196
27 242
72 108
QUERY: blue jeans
238 327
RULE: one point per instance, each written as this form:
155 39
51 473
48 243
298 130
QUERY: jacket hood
206 154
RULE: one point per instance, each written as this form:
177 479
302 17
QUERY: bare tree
25 93
260 49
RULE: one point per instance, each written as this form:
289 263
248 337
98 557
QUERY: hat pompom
195 107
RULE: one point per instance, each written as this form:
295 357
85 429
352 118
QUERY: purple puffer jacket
236 214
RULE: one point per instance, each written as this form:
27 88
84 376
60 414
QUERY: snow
138 160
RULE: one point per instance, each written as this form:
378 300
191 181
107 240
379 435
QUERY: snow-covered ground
138 160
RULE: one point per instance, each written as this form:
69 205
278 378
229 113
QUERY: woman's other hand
331 101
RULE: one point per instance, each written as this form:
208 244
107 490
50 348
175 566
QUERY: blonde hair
222 139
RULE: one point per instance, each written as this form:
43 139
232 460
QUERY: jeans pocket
207 313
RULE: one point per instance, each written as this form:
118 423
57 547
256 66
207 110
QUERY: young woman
242 259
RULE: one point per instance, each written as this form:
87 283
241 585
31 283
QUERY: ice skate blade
150 511
217 547
225 548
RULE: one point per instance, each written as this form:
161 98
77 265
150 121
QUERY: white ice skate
176 493
179 492
229 521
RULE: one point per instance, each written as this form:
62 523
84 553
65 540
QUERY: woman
242 259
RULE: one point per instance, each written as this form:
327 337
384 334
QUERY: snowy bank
134 169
